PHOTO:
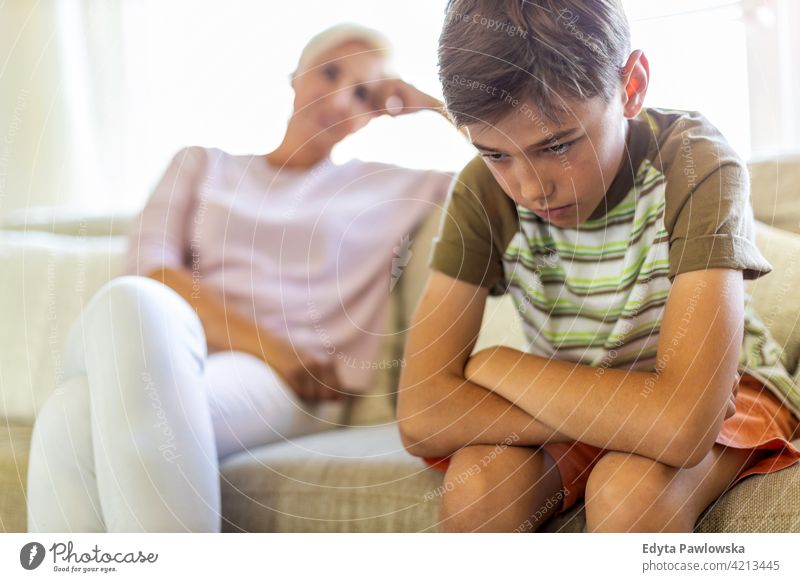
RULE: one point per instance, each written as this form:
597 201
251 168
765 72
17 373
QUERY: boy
624 235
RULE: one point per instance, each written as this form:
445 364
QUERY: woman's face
337 95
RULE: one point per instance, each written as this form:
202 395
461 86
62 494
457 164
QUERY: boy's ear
635 79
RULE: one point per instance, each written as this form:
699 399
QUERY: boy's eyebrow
548 140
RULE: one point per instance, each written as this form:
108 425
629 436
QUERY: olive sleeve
474 225
708 215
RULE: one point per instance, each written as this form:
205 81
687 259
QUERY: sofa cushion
759 504
361 480
15 442
774 191
774 296
345 480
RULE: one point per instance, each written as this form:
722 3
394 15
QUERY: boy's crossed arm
439 411
672 415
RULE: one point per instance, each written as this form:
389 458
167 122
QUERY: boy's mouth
555 212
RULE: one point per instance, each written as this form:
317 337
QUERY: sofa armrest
47 278
66 221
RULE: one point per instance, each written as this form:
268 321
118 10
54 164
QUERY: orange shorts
761 422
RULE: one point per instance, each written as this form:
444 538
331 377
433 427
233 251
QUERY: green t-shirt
595 293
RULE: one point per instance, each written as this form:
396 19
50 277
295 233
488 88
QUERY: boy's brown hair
495 54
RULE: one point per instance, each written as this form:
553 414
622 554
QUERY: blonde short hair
338 35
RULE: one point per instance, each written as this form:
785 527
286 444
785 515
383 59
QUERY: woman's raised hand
396 97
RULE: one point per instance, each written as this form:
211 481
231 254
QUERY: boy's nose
534 187
535 192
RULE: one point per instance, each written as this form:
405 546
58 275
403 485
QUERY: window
698 60
129 83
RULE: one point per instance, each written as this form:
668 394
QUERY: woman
252 307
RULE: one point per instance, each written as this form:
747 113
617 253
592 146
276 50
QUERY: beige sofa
356 479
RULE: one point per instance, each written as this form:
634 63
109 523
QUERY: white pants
130 440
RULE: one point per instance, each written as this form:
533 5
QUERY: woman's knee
68 403
628 493
62 422
135 306
131 293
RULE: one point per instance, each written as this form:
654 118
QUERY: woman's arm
158 248
672 415
310 377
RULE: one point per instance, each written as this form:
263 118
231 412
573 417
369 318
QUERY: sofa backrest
775 296
775 191
48 276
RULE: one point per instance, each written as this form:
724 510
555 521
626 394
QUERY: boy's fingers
731 408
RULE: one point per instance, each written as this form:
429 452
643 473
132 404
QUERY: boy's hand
731 410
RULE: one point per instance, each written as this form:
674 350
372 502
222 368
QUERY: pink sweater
308 254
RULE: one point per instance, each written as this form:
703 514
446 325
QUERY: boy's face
560 171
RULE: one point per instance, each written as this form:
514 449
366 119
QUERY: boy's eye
560 148
495 156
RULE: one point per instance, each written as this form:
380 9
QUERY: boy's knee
624 494
468 470
475 476
466 486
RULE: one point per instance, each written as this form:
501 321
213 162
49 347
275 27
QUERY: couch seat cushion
15 442
361 480
345 480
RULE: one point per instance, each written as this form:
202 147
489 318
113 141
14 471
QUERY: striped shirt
596 293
